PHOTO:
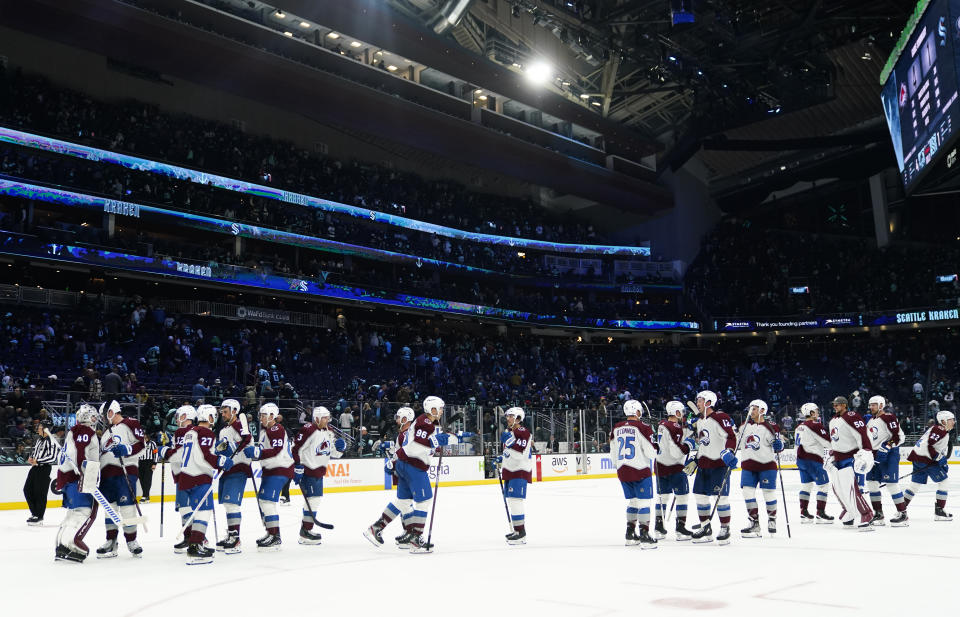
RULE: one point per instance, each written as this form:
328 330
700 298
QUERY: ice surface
574 564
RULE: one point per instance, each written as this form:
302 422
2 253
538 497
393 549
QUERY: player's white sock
515 505
805 490
271 519
233 516
723 510
703 507
633 510
770 497
750 498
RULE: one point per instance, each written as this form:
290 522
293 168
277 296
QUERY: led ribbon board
49 144
25 246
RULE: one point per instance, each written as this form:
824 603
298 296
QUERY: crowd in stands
744 271
156 361
32 103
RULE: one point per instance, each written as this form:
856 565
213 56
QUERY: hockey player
676 443
398 506
185 416
812 441
886 436
123 440
929 458
273 452
516 469
233 439
198 465
761 444
633 451
76 473
716 443
413 464
850 454
315 446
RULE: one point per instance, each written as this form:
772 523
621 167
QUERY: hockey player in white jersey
929 457
77 472
716 443
676 445
314 447
760 445
398 506
276 463
122 441
516 471
633 451
886 437
812 441
233 438
850 454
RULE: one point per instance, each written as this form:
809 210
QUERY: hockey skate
703 535
823 518
231 545
404 540
181 547
901 520
419 546
645 540
723 538
308 537
751 531
683 534
135 549
220 543
269 543
659 532
65 554
878 519
517 538
806 517
373 535
198 554
631 538
108 550
942 515
35 521
771 525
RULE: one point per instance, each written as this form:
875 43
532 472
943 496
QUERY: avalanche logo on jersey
753 442
834 434
704 437
874 432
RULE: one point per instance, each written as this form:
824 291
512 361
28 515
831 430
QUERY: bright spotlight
539 72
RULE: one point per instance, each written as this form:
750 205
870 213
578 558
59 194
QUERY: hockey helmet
186 413
88 415
761 404
107 411
320 412
944 416
808 408
709 397
516 412
632 408
879 400
270 410
433 405
404 415
207 413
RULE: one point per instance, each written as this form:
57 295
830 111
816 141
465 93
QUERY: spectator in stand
199 391
112 383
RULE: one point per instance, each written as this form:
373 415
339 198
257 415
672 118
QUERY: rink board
351 475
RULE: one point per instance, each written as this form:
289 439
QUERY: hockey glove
340 445
225 463
298 474
163 452
777 445
388 466
881 454
729 459
690 444
121 450
863 461
691 467
252 452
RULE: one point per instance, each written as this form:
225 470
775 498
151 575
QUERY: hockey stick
433 506
133 493
726 474
900 479
163 486
783 491
503 494
313 514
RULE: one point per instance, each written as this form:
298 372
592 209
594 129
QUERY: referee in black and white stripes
46 451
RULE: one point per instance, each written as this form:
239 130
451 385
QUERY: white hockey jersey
129 433
883 430
314 448
848 435
932 446
632 450
715 434
238 438
81 444
757 447
198 463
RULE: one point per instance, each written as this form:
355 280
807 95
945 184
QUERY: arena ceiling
742 69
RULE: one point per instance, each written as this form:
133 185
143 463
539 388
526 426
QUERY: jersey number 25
626 448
